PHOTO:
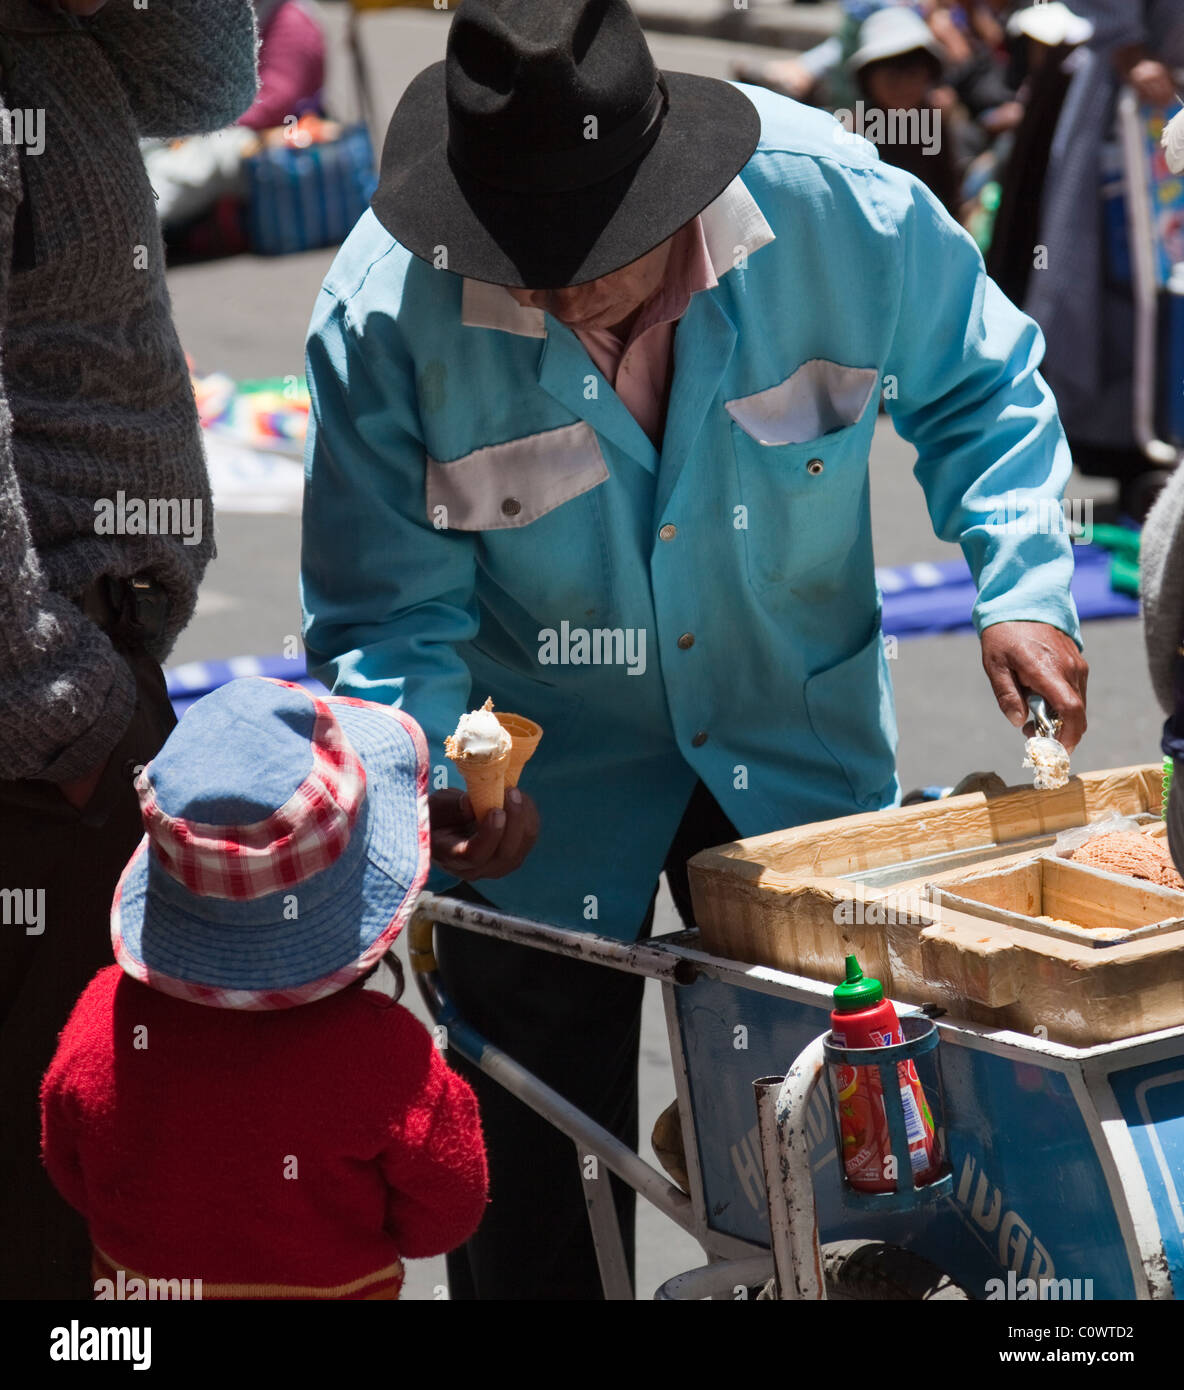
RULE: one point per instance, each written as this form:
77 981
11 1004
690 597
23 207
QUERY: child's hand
492 849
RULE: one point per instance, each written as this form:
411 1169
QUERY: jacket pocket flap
817 399
515 483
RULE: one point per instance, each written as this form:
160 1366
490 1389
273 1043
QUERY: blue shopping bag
299 199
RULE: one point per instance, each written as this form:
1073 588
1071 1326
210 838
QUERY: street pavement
248 317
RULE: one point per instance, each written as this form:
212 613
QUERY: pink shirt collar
639 368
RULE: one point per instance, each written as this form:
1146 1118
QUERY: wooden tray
1106 908
801 899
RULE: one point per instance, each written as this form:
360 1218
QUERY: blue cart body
1068 1163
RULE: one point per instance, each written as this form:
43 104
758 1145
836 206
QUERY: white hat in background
891 33
1051 24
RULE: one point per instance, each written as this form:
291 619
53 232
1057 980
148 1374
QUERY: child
230 1103
896 68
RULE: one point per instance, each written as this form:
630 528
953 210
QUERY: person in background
1088 318
291 63
1042 39
972 38
190 176
909 57
96 413
289 1130
898 68
1161 589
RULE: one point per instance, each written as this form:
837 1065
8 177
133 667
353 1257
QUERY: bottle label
863 1119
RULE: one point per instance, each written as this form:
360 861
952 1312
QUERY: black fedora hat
547 149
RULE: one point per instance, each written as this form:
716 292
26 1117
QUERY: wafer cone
485 782
525 735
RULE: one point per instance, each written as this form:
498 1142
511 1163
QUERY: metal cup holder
920 1036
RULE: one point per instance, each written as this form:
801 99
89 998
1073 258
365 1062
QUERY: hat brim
556 240
896 48
261 954
1050 26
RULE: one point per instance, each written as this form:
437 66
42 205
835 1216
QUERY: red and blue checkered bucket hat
288 841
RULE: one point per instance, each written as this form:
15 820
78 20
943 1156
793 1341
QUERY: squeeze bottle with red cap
862 1017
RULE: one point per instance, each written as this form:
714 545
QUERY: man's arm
188 66
991 454
386 596
66 695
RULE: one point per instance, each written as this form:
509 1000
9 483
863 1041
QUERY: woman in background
190 176
1088 320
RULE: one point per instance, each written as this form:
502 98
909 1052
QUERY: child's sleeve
435 1162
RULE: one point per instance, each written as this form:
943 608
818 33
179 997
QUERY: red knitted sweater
292 1153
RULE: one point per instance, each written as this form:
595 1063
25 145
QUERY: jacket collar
731 222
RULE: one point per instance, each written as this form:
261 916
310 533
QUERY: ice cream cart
1065 1159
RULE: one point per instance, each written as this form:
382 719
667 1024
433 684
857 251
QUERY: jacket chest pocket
533 499
801 450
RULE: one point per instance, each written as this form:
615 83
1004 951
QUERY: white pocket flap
817 399
515 483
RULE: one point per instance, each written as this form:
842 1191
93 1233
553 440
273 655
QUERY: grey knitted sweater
95 399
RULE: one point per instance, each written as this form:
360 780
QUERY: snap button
668 532
686 641
700 739
511 506
814 467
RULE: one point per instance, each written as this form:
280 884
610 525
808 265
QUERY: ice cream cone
525 734
485 782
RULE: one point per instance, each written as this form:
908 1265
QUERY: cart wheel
867 1269
863 1270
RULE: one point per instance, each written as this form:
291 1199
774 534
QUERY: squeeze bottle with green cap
862 1017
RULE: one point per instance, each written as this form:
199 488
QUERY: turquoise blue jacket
483 516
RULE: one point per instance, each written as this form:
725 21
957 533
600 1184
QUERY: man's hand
492 849
1036 656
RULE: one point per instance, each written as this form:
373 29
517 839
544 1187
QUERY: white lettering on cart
746 1161
989 1211
746 1155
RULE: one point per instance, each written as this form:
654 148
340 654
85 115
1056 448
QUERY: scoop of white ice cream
479 735
1050 759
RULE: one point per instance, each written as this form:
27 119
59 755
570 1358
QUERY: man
594 387
105 526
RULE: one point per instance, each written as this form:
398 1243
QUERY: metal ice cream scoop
1047 722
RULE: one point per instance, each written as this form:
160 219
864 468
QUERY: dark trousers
577 1027
76 857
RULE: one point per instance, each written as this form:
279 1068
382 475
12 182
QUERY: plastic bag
1068 841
